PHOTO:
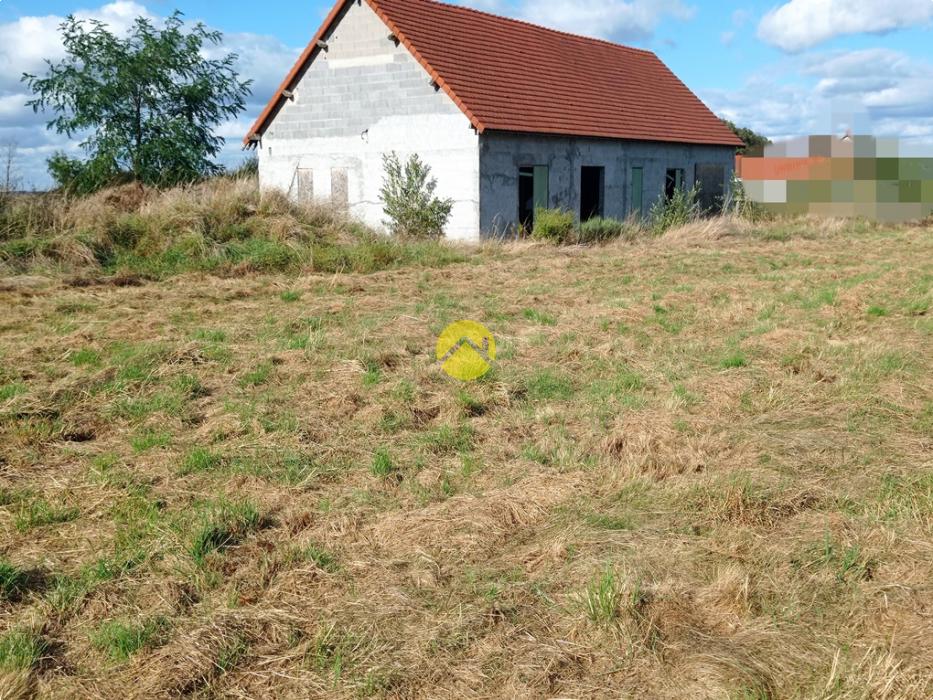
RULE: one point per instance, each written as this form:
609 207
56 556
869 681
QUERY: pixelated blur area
851 176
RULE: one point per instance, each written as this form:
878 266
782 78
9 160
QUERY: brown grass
701 467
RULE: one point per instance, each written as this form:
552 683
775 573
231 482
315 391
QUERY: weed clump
224 524
553 225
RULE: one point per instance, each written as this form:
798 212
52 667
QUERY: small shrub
739 204
677 211
599 229
553 225
407 194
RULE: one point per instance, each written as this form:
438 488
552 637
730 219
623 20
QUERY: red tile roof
513 76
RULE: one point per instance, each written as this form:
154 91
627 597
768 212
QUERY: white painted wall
364 97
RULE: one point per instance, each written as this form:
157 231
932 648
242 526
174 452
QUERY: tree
751 138
408 198
146 105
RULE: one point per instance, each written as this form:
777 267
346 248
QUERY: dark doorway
673 182
712 181
532 193
591 192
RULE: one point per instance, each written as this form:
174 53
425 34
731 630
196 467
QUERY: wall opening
339 190
591 191
712 181
638 191
673 182
532 193
304 184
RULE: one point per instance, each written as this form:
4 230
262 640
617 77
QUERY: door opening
532 193
591 191
673 182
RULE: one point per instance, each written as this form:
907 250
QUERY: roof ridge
541 27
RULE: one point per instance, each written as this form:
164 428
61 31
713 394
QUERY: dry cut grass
702 466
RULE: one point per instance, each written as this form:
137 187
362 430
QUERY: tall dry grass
222 225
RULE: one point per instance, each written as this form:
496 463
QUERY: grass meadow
702 466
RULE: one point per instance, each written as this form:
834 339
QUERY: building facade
365 87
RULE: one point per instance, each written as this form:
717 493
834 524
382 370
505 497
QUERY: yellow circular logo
466 350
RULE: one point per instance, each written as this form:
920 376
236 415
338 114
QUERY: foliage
600 229
222 226
408 198
249 167
554 225
678 210
739 204
147 105
751 138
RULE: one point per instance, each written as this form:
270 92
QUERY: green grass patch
20 650
382 464
539 317
447 439
733 360
223 524
40 512
321 557
150 439
200 459
120 640
545 385
86 358
259 375
13 581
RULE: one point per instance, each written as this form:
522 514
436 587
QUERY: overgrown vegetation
553 226
221 226
411 209
680 209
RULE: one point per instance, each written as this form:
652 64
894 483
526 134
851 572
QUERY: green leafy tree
752 139
146 105
408 199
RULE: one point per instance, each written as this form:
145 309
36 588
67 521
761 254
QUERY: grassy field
701 467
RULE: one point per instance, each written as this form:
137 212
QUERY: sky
785 69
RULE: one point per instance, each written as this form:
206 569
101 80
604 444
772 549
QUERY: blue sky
784 67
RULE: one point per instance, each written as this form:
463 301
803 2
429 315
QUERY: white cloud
884 92
802 24
27 42
609 19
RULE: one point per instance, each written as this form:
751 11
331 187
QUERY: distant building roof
510 75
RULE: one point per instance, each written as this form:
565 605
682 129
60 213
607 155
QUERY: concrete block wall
363 97
502 154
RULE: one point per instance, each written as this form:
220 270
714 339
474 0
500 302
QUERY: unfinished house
510 116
